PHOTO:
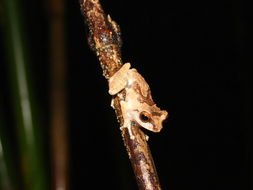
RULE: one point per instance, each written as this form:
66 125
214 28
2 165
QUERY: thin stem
105 41
58 120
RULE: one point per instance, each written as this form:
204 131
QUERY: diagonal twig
104 39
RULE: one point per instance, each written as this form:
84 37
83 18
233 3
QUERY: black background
195 57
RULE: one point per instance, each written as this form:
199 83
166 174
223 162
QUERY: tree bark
104 39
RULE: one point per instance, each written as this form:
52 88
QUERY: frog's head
151 118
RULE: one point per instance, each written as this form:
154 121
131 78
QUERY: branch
104 39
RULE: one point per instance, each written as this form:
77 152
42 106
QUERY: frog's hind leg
119 80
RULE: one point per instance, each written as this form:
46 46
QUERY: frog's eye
144 117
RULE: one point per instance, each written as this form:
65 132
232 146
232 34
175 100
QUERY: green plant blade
27 125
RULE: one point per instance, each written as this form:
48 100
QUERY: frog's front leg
127 118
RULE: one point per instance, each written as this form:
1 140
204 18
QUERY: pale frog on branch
138 104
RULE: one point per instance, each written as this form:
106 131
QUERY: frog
137 104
